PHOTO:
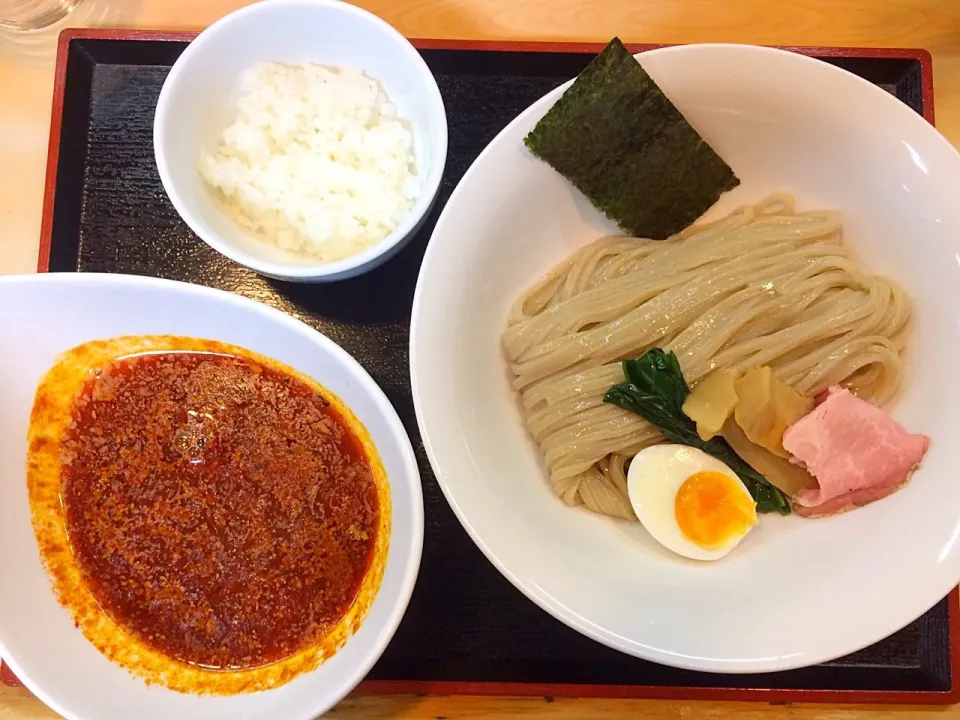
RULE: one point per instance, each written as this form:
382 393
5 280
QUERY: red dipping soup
220 510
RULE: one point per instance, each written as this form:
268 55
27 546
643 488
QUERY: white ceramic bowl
797 591
41 316
198 101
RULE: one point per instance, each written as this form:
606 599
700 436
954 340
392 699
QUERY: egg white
653 480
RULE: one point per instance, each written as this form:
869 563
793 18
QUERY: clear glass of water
34 14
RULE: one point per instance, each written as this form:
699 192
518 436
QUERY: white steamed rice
317 160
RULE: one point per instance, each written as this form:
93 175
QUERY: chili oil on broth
117 635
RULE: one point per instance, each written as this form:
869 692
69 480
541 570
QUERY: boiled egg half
690 502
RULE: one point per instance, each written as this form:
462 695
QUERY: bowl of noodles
556 358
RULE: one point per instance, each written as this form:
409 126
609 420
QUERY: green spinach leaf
655 390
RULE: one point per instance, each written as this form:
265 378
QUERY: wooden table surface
26 78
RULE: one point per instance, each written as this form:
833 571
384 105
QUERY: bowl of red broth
207 508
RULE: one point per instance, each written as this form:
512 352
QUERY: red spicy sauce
221 511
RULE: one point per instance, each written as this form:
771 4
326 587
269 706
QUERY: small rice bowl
316 162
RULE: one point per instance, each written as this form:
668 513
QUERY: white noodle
764 286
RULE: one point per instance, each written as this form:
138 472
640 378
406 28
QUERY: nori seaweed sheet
617 138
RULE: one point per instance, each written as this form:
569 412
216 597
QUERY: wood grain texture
18 704
27 80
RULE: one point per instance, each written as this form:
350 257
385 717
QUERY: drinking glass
34 14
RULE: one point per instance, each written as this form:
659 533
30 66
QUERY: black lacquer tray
467 630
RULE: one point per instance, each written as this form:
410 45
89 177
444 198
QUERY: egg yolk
712 509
